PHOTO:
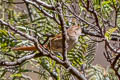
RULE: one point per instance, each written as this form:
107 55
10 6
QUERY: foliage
109 32
39 25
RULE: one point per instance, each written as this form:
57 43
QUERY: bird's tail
25 48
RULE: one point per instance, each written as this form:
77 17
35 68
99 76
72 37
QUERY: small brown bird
73 34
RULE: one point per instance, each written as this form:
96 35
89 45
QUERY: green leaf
113 1
16 75
4 32
109 32
106 2
97 2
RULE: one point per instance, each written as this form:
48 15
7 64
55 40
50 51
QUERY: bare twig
78 17
13 2
43 11
29 11
40 8
94 13
64 32
114 67
20 60
51 7
111 48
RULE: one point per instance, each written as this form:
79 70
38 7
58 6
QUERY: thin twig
64 32
29 11
50 7
14 2
43 11
113 65
94 13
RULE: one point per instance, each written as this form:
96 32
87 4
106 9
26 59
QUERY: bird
73 34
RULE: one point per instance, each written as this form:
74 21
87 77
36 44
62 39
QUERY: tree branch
78 17
20 60
50 7
29 11
116 67
94 13
114 36
64 32
43 11
111 48
22 34
13 2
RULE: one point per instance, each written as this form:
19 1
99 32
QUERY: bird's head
78 30
75 30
